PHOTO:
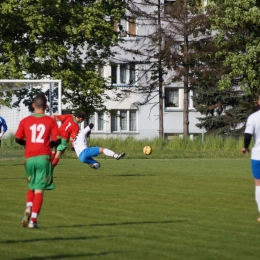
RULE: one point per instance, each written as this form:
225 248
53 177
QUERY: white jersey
253 127
80 142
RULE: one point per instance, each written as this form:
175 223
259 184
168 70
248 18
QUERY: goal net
16 97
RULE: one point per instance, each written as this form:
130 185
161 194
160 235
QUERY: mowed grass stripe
135 209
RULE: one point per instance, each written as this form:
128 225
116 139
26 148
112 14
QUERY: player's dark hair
40 101
81 114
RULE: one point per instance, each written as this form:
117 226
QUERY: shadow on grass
52 239
131 175
66 256
19 164
124 223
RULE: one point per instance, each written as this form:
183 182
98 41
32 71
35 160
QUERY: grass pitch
135 209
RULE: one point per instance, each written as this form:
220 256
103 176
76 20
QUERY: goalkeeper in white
2 124
86 153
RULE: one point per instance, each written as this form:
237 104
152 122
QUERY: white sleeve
86 130
250 126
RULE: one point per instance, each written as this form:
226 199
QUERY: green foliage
237 27
226 91
64 40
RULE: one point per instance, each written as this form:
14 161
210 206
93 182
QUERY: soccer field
135 209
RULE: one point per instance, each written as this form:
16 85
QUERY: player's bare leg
53 152
28 211
56 158
257 196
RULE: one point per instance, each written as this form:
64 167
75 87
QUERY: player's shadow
125 223
68 256
53 239
131 175
20 164
20 178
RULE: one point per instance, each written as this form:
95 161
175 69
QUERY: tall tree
187 33
168 49
227 93
237 27
147 53
64 40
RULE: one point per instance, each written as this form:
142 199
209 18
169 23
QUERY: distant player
67 131
86 153
4 126
36 132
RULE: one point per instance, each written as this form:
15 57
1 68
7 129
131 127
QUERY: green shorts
38 172
63 145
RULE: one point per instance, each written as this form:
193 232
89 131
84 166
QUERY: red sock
36 208
29 198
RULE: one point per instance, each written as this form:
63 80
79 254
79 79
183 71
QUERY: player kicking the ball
67 131
86 153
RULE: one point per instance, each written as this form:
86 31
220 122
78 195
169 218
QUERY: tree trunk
160 73
186 73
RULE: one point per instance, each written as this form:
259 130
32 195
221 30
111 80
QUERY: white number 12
37 138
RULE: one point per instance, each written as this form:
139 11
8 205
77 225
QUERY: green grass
212 147
135 209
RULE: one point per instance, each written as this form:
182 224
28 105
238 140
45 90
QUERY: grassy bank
210 147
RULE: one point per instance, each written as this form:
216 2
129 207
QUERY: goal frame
39 81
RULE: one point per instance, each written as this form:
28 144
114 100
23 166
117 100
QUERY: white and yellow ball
147 150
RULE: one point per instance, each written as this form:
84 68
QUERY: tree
171 51
64 40
237 27
188 41
147 54
227 93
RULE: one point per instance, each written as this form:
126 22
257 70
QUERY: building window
123 120
126 27
114 122
171 97
123 69
192 103
168 6
132 126
122 73
98 120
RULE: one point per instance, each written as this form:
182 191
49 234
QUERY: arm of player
4 128
87 129
20 141
55 143
247 140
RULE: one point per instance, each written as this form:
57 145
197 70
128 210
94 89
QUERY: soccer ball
147 150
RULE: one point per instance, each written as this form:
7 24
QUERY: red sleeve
61 118
20 131
74 132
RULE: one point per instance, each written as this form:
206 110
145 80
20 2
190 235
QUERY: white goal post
27 88
14 84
